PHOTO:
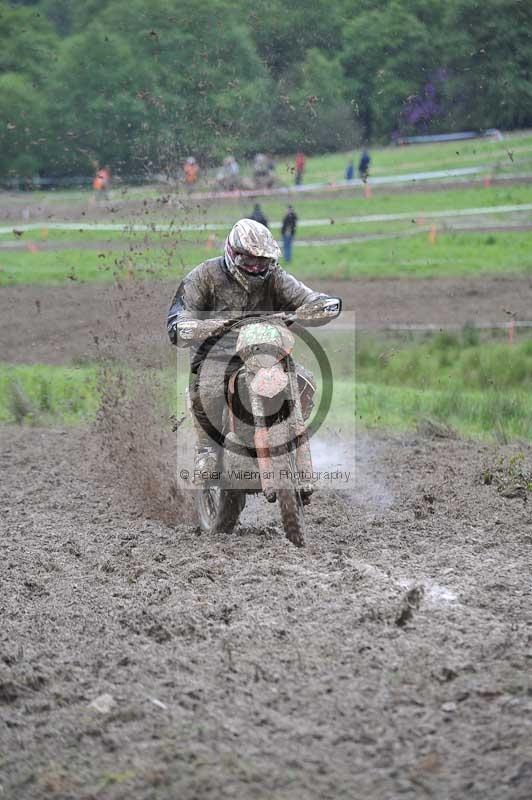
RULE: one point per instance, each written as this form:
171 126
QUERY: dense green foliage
142 85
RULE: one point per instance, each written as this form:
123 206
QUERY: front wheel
289 498
219 509
292 515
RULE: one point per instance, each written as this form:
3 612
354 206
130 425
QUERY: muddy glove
320 311
195 330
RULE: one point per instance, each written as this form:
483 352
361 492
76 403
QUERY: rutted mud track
241 667
58 324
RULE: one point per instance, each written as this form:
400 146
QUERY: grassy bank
41 394
478 388
501 415
398 160
450 362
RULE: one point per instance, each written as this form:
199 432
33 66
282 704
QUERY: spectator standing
288 231
300 167
102 183
363 165
350 171
258 215
263 170
233 168
227 177
191 171
260 166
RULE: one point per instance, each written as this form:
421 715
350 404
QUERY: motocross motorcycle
264 446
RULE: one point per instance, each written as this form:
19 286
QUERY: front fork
295 437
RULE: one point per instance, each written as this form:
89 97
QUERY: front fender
269 381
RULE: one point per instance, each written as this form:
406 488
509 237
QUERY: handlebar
283 316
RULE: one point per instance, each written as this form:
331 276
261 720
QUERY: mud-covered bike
264 444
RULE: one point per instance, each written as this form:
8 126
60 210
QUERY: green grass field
489 415
479 388
41 394
447 361
453 254
70 266
139 240
338 207
513 154
352 202
456 254
417 158
160 254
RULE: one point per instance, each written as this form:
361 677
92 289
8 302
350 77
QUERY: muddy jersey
210 291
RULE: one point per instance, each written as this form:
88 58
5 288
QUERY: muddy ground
58 324
389 658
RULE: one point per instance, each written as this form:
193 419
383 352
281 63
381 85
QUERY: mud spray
135 430
140 432
358 457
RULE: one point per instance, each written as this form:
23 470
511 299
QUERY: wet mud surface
58 324
389 658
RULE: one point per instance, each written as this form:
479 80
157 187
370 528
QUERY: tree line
141 85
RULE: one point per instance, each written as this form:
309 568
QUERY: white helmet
251 253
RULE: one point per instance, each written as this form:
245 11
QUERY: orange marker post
367 191
432 234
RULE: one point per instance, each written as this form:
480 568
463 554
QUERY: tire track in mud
363 488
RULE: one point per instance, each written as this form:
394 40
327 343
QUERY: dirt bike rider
245 281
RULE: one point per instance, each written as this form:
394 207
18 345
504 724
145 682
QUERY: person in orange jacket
191 171
102 182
